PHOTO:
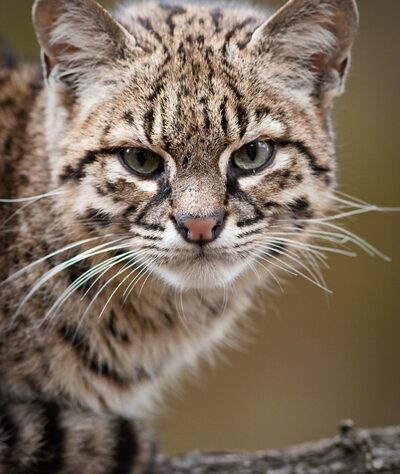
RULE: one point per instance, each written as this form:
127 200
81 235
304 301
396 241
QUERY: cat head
200 134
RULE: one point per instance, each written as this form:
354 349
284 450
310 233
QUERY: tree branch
352 451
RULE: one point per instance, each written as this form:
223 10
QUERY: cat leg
44 438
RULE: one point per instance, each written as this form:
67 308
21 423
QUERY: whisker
362 243
288 254
138 277
101 268
269 271
20 272
103 248
56 192
292 270
116 289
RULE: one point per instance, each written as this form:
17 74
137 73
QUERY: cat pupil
252 151
142 157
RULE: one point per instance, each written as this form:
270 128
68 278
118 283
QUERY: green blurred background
312 360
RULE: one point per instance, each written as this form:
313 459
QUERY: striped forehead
181 114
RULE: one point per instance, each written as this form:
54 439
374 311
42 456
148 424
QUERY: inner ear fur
77 33
316 34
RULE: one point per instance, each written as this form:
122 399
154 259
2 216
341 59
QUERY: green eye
141 161
254 155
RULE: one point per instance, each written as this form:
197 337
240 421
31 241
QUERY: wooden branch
352 451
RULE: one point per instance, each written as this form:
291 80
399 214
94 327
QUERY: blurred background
312 360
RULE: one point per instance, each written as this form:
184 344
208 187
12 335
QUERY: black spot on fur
185 162
216 16
77 173
99 217
300 207
271 205
262 112
128 117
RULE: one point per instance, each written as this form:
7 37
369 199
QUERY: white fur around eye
282 160
267 128
115 170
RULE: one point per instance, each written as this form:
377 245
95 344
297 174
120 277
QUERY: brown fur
193 83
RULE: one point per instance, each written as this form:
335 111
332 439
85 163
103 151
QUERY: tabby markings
126 449
77 173
316 169
234 189
50 458
81 346
9 432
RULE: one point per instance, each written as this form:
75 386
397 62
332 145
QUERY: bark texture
352 451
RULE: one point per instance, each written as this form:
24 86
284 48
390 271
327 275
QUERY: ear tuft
311 40
77 35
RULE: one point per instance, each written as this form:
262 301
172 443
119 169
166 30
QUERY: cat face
200 136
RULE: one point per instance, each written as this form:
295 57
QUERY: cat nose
200 230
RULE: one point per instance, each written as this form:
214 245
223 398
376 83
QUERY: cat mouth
203 268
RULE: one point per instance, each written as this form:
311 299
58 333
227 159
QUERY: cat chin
200 275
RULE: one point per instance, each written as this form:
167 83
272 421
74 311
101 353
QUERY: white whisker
31 198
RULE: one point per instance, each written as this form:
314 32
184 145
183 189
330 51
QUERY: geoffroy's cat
160 167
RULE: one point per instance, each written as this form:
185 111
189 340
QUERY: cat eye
254 155
141 161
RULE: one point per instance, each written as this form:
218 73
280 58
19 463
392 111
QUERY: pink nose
200 230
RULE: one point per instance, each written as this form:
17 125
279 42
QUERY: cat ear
309 41
77 36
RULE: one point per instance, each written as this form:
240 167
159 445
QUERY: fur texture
102 300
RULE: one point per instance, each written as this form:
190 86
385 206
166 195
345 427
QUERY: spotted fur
193 82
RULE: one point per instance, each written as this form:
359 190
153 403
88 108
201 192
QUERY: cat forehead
191 21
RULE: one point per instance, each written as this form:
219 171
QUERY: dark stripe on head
174 11
126 449
231 81
157 87
128 117
49 460
148 123
77 173
262 112
224 119
146 23
238 27
216 16
316 169
81 346
242 119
